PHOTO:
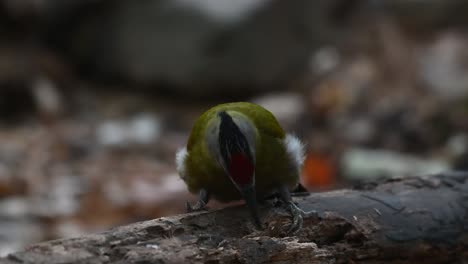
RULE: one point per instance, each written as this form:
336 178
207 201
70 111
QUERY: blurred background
96 97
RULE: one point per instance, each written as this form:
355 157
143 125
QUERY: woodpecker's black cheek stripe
231 139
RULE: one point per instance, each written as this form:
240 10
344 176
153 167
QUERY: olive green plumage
274 166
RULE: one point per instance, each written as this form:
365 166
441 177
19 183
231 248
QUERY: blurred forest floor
97 96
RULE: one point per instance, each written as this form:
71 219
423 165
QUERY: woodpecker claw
296 212
203 198
297 218
199 206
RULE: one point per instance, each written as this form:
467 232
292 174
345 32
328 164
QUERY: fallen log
407 220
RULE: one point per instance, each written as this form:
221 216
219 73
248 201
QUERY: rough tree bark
419 219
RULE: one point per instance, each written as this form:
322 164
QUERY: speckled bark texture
418 219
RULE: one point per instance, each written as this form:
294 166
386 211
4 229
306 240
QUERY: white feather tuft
181 155
295 149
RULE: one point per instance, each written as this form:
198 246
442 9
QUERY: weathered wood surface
420 219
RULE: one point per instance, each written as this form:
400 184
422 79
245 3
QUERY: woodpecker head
236 153
234 144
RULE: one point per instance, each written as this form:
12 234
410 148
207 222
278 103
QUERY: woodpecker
240 151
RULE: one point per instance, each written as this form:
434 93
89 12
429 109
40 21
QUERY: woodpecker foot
199 206
297 218
296 212
203 198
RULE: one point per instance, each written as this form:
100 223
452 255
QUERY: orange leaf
319 172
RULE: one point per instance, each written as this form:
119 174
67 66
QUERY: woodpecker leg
203 199
295 211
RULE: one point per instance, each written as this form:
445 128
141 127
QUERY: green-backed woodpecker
239 151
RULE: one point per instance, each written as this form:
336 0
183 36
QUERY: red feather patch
241 169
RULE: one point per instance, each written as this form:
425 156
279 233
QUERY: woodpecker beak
238 162
249 194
